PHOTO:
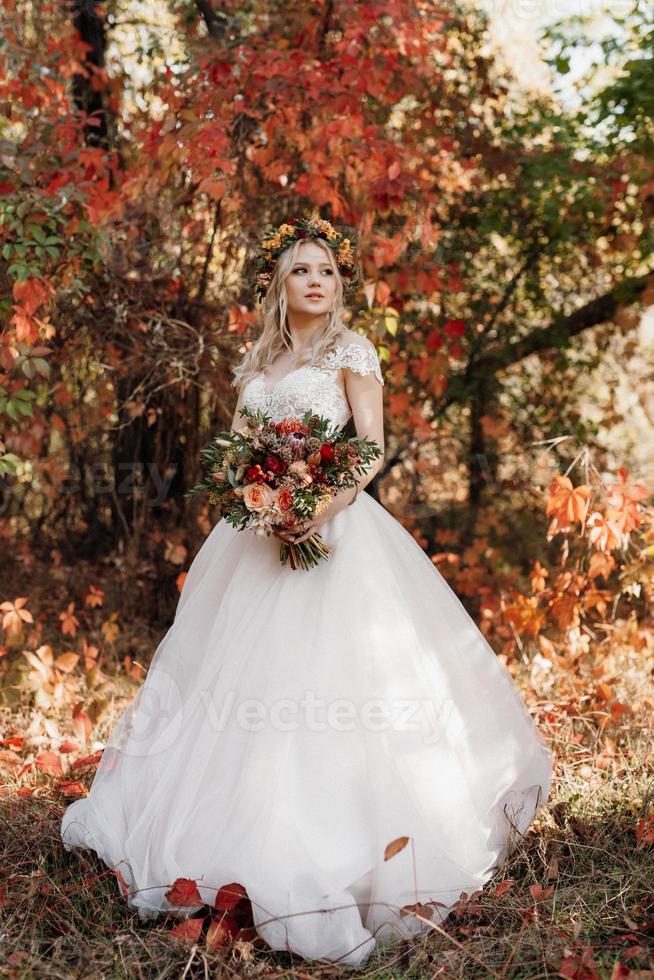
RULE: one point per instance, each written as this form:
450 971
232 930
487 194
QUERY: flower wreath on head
296 229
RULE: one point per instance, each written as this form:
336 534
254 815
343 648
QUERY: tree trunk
87 97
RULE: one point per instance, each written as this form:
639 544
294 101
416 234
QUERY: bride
342 742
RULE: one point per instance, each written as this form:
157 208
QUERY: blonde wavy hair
275 336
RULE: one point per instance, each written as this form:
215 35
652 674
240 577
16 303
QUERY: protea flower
296 443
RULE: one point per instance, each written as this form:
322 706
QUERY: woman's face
311 283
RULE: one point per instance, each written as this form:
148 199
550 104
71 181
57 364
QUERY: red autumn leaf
433 341
540 894
122 883
424 911
72 788
184 892
68 745
221 932
17 741
645 831
229 896
454 328
87 760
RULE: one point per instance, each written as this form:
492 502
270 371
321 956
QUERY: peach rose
257 496
283 499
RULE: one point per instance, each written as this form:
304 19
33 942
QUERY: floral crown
295 229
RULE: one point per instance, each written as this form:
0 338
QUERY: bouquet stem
307 553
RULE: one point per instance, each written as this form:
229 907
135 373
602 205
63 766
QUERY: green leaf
42 366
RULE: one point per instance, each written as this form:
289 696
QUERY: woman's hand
309 527
288 534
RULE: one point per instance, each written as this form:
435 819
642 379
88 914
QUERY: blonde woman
342 742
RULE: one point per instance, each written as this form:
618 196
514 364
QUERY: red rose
327 453
274 464
254 474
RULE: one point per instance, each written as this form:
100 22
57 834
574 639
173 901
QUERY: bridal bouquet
273 475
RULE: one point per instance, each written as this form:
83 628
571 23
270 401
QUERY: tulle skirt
293 724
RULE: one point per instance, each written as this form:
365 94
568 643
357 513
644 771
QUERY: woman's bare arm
238 422
366 397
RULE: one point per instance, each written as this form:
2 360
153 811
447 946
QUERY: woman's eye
303 268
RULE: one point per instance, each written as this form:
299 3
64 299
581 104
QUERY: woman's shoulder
348 343
356 352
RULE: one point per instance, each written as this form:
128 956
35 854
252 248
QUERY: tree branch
216 22
558 333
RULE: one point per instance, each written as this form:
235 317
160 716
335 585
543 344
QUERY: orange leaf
69 622
539 894
49 762
67 661
604 691
568 504
30 293
82 724
395 847
189 930
94 597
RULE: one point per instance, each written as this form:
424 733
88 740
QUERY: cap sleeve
359 357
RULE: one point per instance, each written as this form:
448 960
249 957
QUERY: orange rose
283 499
257 496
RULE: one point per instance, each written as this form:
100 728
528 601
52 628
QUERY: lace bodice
313 387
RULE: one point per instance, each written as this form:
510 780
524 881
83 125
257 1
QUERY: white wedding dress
294 723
